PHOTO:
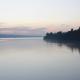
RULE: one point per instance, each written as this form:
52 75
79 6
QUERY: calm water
35 59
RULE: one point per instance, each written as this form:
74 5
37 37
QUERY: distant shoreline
16 36
72 36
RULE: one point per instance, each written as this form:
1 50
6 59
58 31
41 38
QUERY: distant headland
16 36
70 36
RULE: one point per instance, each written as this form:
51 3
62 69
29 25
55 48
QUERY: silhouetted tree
73 35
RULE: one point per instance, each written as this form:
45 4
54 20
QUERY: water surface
35 59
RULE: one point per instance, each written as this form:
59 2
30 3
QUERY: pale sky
37 13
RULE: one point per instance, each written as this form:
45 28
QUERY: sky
39 13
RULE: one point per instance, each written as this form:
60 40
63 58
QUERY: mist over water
35 59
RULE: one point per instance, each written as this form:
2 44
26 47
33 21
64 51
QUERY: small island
72 36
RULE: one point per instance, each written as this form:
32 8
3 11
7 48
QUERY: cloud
2 24
24 31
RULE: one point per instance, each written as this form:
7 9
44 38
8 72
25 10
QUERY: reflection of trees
71 46
71 38
74 47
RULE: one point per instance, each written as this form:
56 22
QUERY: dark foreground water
35 59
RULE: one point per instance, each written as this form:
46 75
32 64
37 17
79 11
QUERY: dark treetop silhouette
70 36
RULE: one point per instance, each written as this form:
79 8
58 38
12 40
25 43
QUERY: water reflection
72 46
35 59
36 44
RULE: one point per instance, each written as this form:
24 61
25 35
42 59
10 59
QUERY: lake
35 59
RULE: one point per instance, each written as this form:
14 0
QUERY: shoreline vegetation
72 36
